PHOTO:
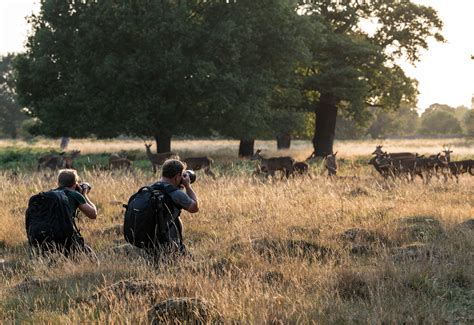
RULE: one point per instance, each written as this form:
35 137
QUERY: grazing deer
457 168
44 159
157 159
119 163
197 163
273 164
69 160
301 168
331 164
394 155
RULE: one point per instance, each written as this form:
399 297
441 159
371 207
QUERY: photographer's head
67 178
172 170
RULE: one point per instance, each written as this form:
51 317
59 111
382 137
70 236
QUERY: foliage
11 113
358 67
402 122
439 121
468 122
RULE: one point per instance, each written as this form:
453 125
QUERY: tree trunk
283 141
325 126
64 143
246 148
163 143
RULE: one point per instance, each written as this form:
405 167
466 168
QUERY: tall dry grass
264 252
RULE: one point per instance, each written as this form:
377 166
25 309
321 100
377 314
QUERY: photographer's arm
88 208
193 207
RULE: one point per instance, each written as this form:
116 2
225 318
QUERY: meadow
354 249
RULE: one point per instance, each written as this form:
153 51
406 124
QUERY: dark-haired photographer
152 219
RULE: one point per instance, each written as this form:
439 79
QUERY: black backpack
149 222
50 221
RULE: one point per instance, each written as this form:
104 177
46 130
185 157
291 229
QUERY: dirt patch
362 241
184 310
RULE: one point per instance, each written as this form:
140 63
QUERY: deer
270 165
69 160
331 164
119 163
457 168
394 155
43 160
158 159
301 168
198 163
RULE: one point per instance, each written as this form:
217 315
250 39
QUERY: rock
419 228
184 310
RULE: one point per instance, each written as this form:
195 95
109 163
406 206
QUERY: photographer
152 220
77 194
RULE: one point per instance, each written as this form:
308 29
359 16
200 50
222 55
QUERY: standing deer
394 155
197 163
43 160
119 163
69 160
273 164
331 164
157 159
301 168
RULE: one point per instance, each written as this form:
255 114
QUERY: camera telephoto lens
192 175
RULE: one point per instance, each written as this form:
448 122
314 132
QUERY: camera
191 174
84 187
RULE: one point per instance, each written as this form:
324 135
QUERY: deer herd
389 165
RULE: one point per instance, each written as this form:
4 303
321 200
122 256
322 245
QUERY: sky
445 72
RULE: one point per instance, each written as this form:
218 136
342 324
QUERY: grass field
355 249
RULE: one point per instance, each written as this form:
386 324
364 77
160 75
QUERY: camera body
83 187
191 174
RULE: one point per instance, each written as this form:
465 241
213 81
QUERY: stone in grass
272 248
419 228
184 311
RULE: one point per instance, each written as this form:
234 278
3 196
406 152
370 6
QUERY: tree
115 67
468 122
402 122
434 122
11 114
353 69
256 50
